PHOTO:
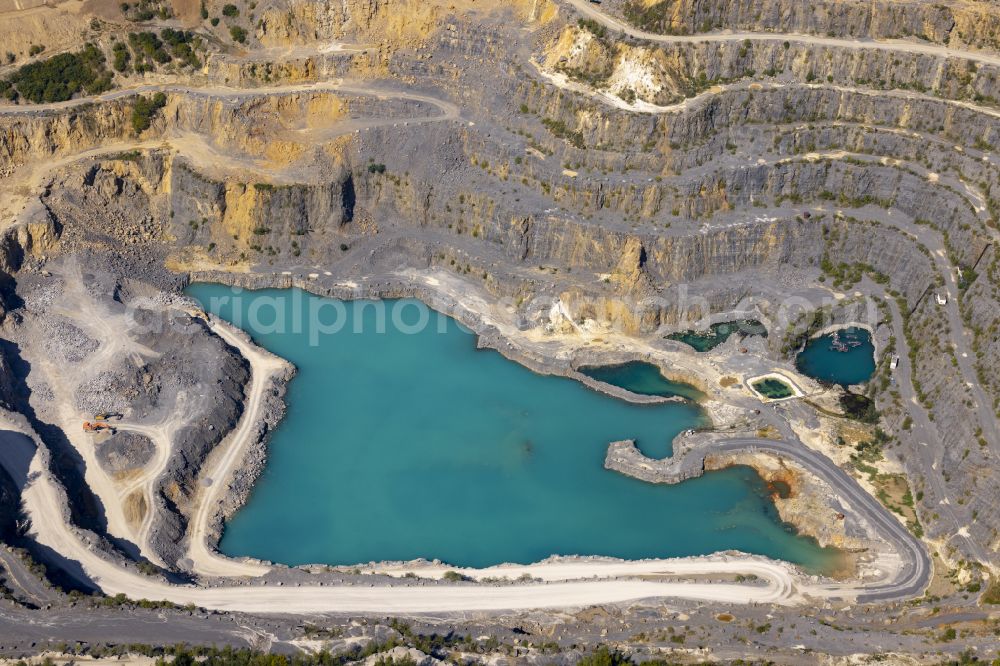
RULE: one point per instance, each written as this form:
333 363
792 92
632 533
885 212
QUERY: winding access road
233 449
564 583
594 12
448 110
915 560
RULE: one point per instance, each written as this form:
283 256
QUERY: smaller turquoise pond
844 357
716 334
404 441
642 378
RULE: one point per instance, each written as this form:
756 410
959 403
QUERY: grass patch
894 492
992 593
769 432
559 129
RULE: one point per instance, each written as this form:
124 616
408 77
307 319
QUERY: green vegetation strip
58 78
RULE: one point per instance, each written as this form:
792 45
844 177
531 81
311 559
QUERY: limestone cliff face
955 23
667 73
27 138
267 127
35 239
31 240
245 220
307 22
672 259
241 221
398 23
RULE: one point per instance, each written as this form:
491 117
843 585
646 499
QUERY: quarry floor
247 586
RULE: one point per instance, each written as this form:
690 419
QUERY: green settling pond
843 357
703 341
772 388
642 378
404 441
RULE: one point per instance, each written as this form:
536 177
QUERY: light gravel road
916 562
566 583
448 110
231 452
594 12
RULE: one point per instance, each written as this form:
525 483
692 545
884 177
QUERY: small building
942 299
894 362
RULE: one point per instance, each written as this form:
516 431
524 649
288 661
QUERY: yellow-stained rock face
38 238
241 202
398 23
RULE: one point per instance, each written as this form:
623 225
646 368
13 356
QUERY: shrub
121 55
238 34
180 43
144 110
35 49
992 594
376 168
147 568
148 50
60 77
604 657
593 27
559 129
859 407
232 11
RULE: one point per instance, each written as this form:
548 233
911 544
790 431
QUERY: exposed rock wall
957 23
665 74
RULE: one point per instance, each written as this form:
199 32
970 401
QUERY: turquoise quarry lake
400 445
644 379
843 357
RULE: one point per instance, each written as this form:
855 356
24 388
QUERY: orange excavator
97 427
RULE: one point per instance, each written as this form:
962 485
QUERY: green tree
58 78
144 110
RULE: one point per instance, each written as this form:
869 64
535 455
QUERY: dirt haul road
564 583
46 504
588 9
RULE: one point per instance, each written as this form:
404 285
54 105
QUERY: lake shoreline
489 336
258 454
